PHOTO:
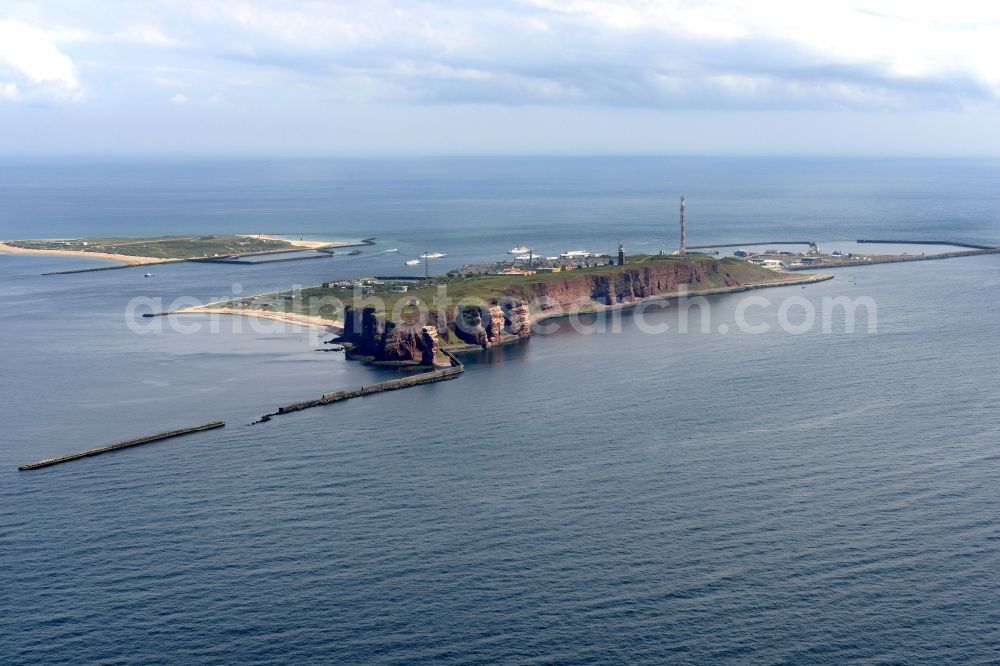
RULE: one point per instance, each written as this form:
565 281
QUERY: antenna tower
684 239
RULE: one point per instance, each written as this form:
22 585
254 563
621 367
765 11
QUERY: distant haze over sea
492 204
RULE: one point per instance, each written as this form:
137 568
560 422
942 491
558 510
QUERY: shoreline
126 259
310 321
337 326
301 244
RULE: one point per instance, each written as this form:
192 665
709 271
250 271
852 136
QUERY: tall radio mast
684 239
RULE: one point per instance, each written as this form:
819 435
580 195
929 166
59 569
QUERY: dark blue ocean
607 494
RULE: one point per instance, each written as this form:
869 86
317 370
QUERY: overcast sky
885 77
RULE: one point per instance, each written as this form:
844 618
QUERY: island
163 249
418 321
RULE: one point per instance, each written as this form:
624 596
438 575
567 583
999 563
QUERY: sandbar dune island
165 249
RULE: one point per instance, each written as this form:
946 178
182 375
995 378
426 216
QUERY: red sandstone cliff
370 334
491 323
625 286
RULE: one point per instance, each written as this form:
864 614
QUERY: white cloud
37 65
149 35
912 39
668 53
9 91
179 99
663 54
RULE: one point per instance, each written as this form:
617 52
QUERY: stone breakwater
973 246
431 377
894 259
122 445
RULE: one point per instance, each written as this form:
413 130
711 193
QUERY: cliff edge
494 309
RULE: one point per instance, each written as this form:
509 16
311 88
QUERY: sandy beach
121 258
287 317
304 244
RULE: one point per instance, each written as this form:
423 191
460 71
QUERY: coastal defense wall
48 462
440 375
974 246
752 243
257 262
391 385
894 259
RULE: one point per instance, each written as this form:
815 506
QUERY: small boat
520 249
412 262
148 275
433 255
575 254
393 249
353 253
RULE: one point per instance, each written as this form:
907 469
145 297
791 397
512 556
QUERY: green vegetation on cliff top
321 301
491 288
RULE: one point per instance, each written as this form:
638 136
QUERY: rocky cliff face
485 325
518 317
626 286
371 335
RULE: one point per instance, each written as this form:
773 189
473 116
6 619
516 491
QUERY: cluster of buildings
370 285
791 260
537 265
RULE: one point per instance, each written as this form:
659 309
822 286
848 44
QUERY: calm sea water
610 495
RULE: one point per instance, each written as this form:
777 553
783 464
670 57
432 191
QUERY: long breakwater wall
974 246
325 253
892 259
431 377
751 244
112 268
122 445
240 261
